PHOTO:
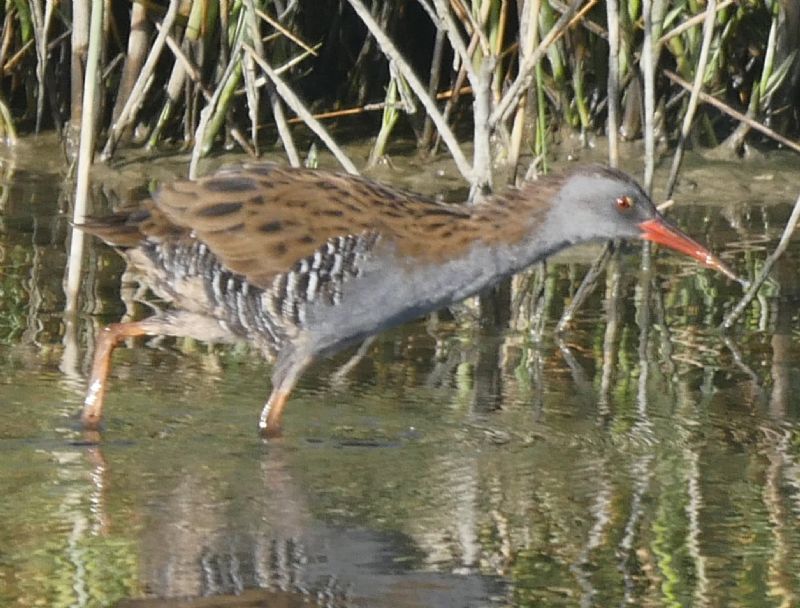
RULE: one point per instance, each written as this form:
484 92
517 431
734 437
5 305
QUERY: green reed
323 53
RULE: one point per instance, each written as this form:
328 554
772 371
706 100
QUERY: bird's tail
130 227
122 229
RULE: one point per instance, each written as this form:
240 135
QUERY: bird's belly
377 300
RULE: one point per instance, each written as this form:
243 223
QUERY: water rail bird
301 263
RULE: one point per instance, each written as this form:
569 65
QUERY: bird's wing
260 220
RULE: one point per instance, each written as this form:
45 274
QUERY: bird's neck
515 228
486 264
505 234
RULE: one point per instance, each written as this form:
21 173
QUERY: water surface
643 459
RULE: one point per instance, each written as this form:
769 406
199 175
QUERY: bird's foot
270 432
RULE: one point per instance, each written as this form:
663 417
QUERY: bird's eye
624 203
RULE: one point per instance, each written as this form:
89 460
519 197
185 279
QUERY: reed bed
514 78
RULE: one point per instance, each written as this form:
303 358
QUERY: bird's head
599 202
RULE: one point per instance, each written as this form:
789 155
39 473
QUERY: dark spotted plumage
303 262
267 314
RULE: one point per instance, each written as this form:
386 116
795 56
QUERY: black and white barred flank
276 312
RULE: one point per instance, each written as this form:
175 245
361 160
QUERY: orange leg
269 423
284 377
108 340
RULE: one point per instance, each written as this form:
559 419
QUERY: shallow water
644 460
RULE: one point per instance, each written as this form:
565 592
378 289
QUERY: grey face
601 203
